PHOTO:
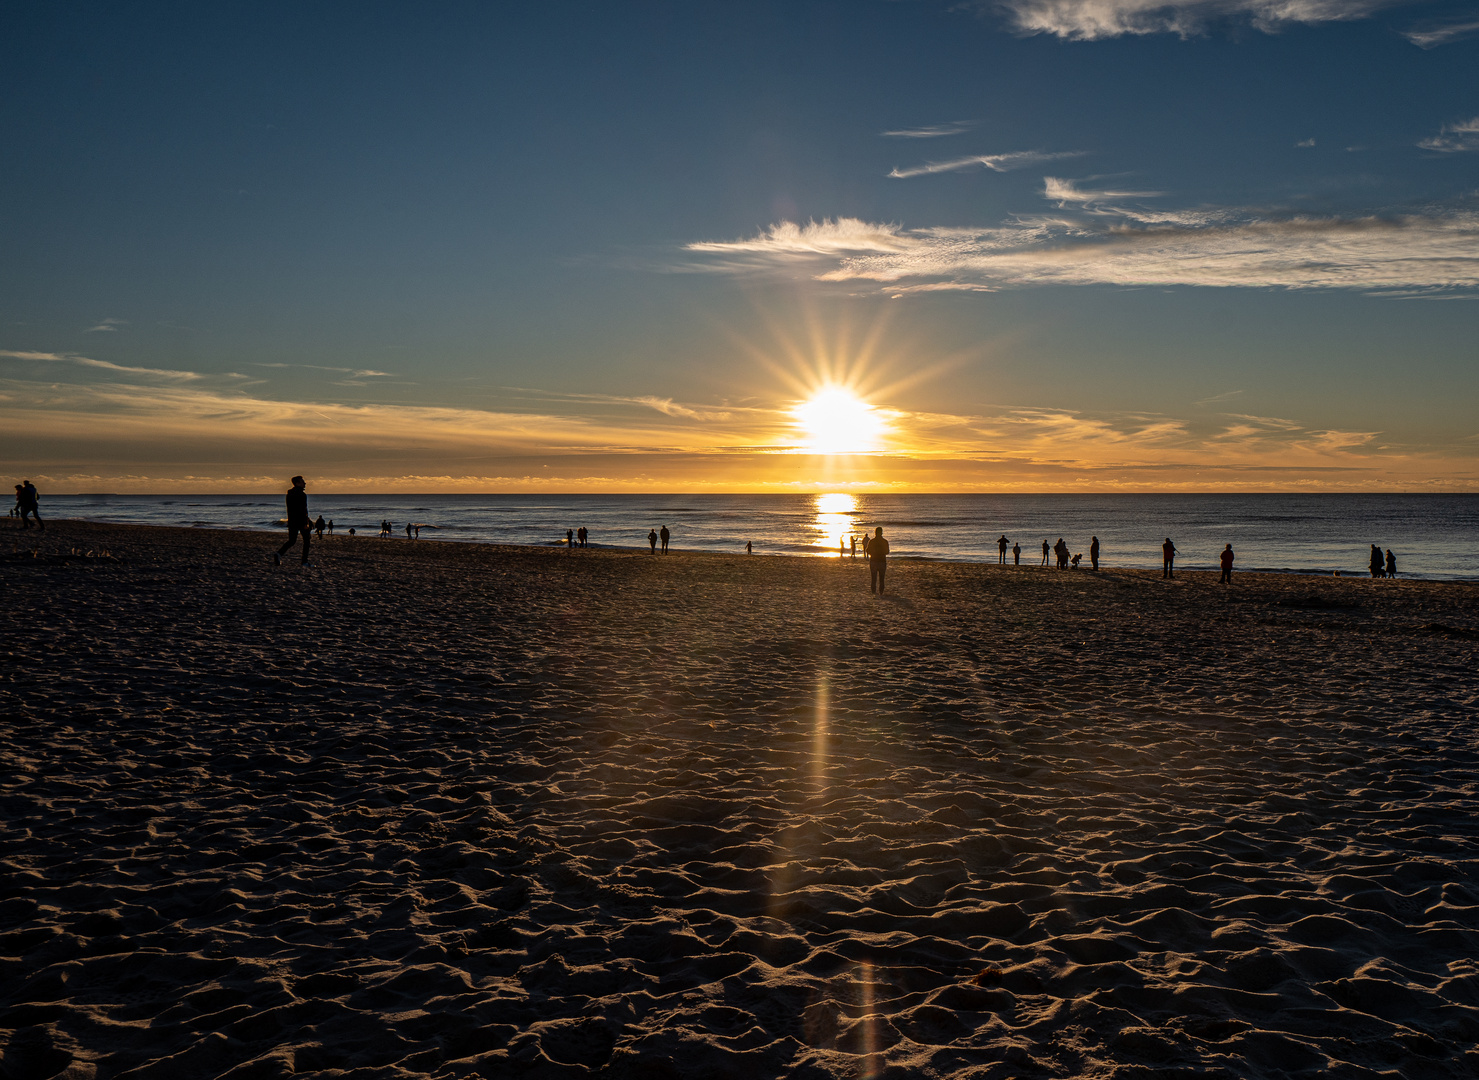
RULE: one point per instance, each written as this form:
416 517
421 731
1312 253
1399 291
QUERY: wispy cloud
1067 191
1092 20
354 373
825 237
103 365
934 131
1403 255
1305 143
1016 159
1429 35
1455 138
107 326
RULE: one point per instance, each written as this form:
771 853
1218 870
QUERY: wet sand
440 810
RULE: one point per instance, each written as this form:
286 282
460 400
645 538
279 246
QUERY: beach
461 810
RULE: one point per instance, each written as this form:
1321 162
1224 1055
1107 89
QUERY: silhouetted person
331 525
1045 550
1391 564
297 520
1227 561
1378 563
1001 549
418 532
1093 553
15 511
410 531
318 527
664 534
842 547
652 541
1168 558
581 534
1016 554
748 550
1076 560
877 561
30 504
854 546
569 540
1061 550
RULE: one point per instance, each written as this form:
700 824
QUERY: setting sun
836 421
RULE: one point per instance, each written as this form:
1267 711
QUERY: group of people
1383 566
1059 551
28 505
576 537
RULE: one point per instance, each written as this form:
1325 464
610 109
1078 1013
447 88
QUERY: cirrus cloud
1400 255
1093 20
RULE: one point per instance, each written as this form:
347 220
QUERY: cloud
934 131
354 373
1093 20
1067 191
1407 255
1305 143
1016 159
106 326
825 237
1430 35
1455 138
104 365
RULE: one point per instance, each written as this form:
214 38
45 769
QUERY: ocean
1432 536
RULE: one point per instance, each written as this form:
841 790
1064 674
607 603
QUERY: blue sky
1059 245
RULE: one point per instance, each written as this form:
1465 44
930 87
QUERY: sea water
1432 536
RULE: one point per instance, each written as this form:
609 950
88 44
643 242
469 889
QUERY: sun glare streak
834 420
834 520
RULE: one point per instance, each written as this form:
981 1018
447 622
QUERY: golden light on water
834 518
834 420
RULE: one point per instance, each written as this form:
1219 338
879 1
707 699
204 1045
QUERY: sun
834 420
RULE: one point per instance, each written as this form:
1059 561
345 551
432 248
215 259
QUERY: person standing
1391 564
409 531
854 545
1016 554
1168 558
30 503
652 540
748 549
1001 549
318 527
665 534
877 561
1227 561
298 520
1093 553
1061 550
569 541
1378 564
1045 550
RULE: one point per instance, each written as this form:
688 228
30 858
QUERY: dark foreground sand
443 810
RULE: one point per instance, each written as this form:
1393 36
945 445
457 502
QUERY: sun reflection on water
834 519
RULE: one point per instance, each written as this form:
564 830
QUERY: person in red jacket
1227 561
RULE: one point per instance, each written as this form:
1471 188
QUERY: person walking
1093 553
1045 550
298 520
30 503
1001 549
652 541
664 534
877 561
1227 561
1168 558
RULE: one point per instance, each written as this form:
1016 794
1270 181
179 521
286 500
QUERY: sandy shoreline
453 810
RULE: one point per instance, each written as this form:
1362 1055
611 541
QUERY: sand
440 810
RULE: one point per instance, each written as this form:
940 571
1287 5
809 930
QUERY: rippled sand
449 810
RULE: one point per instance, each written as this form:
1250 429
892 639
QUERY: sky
1033 245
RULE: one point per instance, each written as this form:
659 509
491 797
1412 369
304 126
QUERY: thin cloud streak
104 365
1431 35
934 131
1016 159
1455 138
1095 20
1407 255
1063 192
